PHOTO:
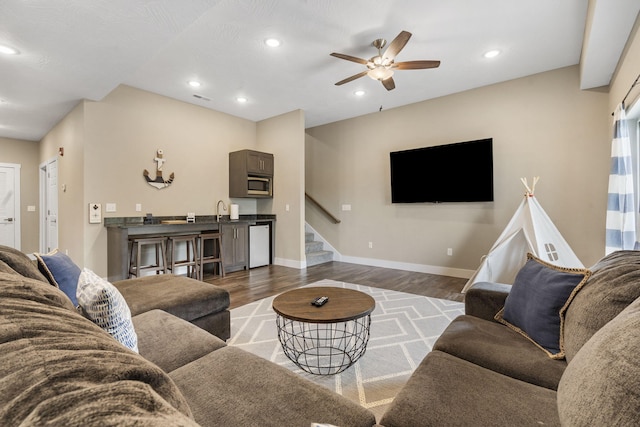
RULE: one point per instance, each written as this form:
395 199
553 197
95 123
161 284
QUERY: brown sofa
200 303
482 373
59 368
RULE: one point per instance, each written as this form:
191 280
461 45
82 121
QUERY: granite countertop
139 221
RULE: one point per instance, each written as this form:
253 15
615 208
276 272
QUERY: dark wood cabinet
250 174
235 245
259 163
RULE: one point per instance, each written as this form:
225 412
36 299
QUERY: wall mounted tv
461 172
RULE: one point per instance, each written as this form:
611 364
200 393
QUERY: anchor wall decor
159 182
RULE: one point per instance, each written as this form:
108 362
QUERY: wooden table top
343 305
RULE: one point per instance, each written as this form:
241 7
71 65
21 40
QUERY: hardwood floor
252 285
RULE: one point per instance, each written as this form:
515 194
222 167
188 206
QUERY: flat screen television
460 172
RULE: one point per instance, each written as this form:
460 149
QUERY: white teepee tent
530 230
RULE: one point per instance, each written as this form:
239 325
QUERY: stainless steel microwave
259 186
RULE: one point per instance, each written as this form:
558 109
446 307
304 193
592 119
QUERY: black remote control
320 301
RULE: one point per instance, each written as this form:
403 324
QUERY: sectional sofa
59 368
483 373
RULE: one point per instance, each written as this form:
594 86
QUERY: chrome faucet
224 208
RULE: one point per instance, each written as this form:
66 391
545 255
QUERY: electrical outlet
138 207
450 251
111 207
370 245
346 207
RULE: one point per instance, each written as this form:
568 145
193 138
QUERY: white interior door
49 203
10 205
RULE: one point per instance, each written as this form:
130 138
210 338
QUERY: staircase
313 251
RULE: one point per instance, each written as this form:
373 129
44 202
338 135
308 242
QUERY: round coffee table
323 340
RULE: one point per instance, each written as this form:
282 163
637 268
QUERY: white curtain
621 208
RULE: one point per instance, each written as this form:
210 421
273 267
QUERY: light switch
95 213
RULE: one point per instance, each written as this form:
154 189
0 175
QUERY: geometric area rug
403 329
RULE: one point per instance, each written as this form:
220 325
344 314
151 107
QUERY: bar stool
214 257
135 255
191 259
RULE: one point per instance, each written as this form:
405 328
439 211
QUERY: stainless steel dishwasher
258 245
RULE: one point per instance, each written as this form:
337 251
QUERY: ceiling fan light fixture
380 73
381 67
242 99
194 83
359 93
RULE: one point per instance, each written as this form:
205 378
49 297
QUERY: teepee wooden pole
533 187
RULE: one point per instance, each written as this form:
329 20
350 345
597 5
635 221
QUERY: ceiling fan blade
388 83
415 65
397 44
350 58
352 78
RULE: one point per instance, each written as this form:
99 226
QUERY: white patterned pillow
105 306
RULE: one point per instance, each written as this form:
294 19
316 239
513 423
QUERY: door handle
9 219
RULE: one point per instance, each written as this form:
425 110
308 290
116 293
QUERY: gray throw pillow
614 284
600 385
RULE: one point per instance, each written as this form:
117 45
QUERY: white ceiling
83 49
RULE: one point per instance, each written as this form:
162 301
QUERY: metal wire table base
324 348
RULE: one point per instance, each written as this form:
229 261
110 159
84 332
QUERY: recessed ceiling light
492 53
271 42
194 83
8 50
359 93
241 99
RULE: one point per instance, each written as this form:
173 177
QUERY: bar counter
120 229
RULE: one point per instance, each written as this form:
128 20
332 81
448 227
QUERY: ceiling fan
382 66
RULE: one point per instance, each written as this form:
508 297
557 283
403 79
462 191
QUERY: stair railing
322 209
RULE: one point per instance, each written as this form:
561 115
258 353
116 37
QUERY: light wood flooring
251 285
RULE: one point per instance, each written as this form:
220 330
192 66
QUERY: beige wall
70 135
113 141
541 125
123 133
284 137
25 154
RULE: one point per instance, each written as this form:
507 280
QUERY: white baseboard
290 263
407 266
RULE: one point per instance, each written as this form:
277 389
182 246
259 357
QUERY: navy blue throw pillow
538 300
61 272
